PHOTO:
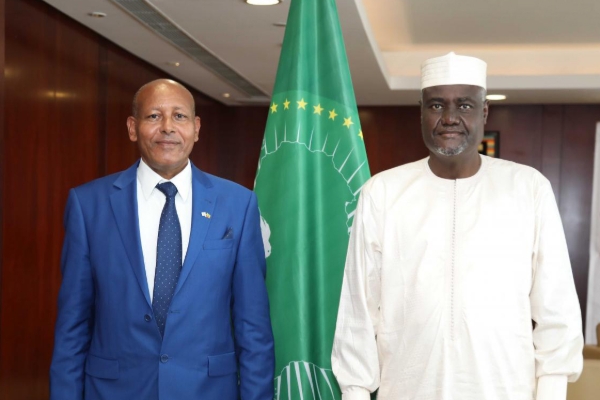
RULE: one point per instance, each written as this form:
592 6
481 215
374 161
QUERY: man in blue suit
163 294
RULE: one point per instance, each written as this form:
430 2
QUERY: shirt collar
149 179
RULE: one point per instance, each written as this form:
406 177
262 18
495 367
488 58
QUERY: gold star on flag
286 104
273 108
318 109
360 134
302 104
348 122
332 114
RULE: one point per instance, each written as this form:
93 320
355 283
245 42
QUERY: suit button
147 318
164 358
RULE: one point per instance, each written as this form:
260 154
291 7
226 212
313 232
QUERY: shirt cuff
552 387
356 393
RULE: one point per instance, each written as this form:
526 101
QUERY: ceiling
538 51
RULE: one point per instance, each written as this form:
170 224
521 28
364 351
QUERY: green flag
312 166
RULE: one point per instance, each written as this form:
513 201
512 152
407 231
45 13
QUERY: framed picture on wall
490 145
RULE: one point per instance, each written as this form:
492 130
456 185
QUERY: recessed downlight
97 14
174 63
495 97
263 2
226 95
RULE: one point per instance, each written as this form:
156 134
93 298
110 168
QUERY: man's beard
449 152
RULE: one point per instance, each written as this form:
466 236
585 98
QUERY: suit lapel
204 200
125 210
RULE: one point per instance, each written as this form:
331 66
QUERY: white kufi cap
452 69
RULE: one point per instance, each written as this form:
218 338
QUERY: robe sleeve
557 335
354 358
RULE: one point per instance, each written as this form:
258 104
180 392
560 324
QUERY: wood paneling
124 76
551 145
50 139
575 199
520 132
392 136
235 142
213 123
2 150
2 78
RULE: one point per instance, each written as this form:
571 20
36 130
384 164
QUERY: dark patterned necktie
168 257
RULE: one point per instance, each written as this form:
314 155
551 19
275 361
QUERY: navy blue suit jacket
218 342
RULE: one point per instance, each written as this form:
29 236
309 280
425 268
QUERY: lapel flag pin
205 214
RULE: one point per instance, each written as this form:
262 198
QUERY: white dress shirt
150 205
443 278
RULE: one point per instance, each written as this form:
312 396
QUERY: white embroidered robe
442 281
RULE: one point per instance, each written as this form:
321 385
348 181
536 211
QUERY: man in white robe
457 284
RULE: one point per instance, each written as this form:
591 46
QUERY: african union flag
311 169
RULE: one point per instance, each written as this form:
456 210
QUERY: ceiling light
97 14
263 2
280 24
226 95
174 63
495 97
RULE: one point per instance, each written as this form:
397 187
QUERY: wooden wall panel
240 142
578 137
230 140
2 129
50 139
124 76
392 136
551 145
249 126
520 132
214 122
